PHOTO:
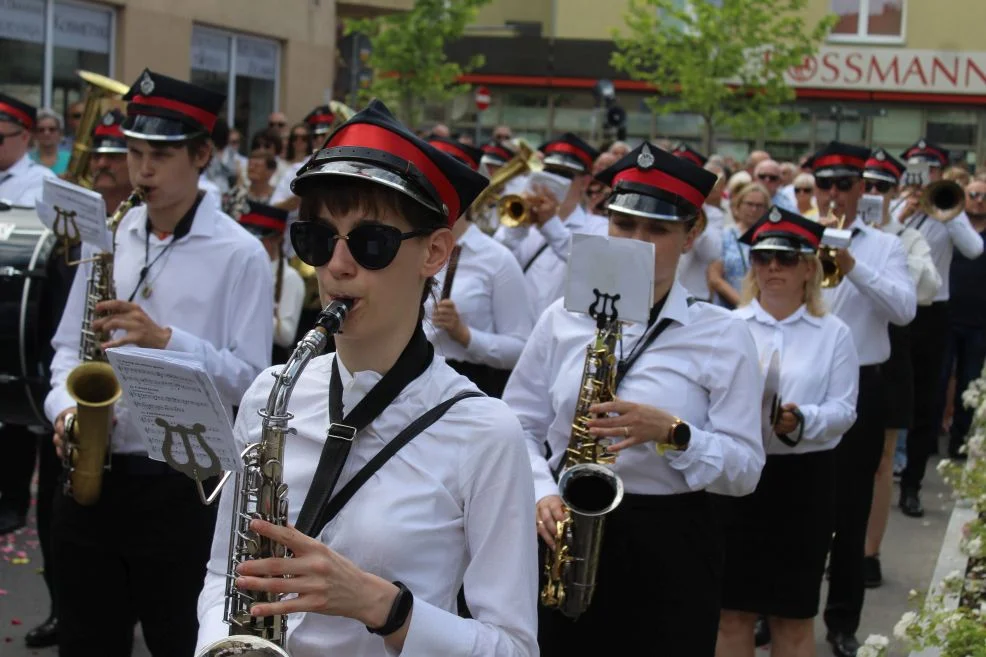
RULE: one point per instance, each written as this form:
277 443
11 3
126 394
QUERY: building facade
890 72
266 55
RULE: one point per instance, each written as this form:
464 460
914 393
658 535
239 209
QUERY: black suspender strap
537 254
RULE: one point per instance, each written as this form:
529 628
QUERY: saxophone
587 487
261 493
93 384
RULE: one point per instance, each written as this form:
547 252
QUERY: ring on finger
626 432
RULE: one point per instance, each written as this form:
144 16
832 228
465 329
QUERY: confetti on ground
3 591
15 621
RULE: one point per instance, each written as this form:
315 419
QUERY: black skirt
660 574
777 538
898 380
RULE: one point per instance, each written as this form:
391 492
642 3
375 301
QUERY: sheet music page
177 409
611 265
81 213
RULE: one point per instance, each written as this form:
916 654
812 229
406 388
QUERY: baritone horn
101 94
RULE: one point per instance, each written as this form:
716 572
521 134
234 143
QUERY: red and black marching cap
925 151
840 160
264 220
374 146
320 120
161 108
17 112
687 152
883 166
780 230
468 155
497 153
651 182
568 155
107 136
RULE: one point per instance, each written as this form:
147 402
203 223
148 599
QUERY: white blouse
491 298
819 372
451 508
703 368
693 266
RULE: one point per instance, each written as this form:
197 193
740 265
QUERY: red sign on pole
482 98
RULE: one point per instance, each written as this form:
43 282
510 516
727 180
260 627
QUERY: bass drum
34 283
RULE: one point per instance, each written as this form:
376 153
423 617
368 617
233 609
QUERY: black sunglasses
803 190
783 258
842 184
769 177
881 186
373 246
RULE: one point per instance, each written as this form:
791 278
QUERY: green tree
724 61
408 54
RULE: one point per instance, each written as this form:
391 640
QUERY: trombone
942 200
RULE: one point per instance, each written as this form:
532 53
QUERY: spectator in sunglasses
48 136
278 122
804 195
72 119
768 174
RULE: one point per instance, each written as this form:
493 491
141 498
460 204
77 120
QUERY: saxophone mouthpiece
333 315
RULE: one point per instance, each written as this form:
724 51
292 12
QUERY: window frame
863 36
48 68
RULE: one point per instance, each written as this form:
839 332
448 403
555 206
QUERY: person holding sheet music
191 280
449 507
686 419
483 316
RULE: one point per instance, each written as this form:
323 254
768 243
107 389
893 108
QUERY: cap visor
879 175
155 128
340 169
641 205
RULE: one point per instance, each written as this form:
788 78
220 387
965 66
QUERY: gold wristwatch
679 435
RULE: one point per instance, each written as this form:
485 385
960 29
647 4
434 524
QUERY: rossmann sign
893 70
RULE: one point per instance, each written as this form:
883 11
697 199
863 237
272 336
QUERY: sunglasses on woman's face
783 258
842 184
803 190
880 186
373 246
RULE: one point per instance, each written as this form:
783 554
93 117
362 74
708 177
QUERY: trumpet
942 200
832 274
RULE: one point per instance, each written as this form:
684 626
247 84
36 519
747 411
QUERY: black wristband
399 612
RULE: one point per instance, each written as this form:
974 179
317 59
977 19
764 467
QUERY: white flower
943 465
877 641
974 548
952 582
868 651
904 624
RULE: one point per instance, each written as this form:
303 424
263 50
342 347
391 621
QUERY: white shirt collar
473 238
20 166
755 310
676 307
206 214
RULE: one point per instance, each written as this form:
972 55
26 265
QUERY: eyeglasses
783 258
373 246
9 134
501 137
976 196
881 186
803 190
300 135
47 129
276 124
75 115
842 184
768 177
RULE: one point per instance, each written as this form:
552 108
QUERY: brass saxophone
93 384
261 493
587 487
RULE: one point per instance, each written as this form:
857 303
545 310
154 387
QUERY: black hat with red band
160 108
653 183
568 155
838 160
264 220
687 152
15 111
468 155
884 167
374 146
925 151
320 120
107 136
497 153
780 230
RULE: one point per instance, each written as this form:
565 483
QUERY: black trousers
929 337
966 350
49 475
857 459
659 584
20 451
138 554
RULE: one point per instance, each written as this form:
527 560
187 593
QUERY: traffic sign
482 98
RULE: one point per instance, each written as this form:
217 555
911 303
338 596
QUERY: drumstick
453 264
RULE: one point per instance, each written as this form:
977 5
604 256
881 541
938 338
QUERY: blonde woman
804 195
748 203
777 538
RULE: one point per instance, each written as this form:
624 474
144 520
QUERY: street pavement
909 554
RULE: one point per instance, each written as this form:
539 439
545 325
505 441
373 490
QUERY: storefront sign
81 28
210 51
892 69
256 58
22 20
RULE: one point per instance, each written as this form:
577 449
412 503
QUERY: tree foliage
724 61
408 54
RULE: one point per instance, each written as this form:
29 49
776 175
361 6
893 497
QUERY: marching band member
687 418
694 265
777 539
929 332
451 508
876 291
191 281
20 176
267 223
480 328
882 176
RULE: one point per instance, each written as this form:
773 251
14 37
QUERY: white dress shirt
819 372
452 507
287 310
920 264
21 184
877 291
545 270
490 296
693 266
213 289
703 368
943 238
